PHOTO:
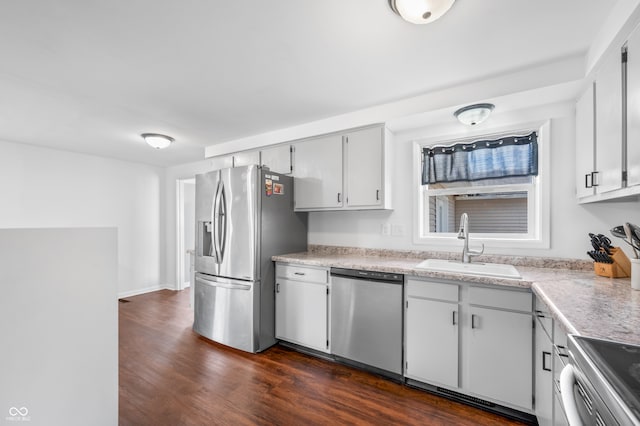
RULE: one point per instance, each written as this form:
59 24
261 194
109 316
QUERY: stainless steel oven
601 383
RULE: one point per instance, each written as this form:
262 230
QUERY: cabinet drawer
303 273
559 335
432 290
545 320
498 298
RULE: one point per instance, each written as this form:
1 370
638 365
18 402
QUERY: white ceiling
90 76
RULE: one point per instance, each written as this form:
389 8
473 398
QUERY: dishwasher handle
355 274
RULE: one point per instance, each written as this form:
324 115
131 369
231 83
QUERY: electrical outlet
397 230
385 229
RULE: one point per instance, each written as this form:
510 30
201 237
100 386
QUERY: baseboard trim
143 291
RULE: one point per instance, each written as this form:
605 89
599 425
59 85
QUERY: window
496 179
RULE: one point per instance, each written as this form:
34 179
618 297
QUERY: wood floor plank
171 376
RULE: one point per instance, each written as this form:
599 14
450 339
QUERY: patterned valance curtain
483 159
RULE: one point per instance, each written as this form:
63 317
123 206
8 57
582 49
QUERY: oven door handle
567 382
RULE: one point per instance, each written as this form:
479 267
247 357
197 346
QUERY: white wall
570 222
41 187
59 326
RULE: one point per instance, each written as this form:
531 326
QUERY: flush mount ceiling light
420 11
156 140
474 114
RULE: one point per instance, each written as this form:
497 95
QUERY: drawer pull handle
299 273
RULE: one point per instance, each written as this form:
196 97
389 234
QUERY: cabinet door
432 341
498 361
317 168
633 109
246 158
585 143
364 170
543 360
609 124
277 159
559 417
301 313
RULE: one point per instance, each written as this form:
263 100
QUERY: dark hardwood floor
171 376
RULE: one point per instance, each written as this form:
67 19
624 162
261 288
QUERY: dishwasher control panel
368 275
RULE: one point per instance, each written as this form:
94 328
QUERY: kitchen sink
496 270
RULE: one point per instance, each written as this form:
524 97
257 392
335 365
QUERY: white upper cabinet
318 173
246 158
609 124
633 109
346 170
277 159
585 143
616 170
364 152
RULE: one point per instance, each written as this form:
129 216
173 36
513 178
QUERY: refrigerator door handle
215 220
222 243
224 285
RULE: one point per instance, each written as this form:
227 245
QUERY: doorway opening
186 232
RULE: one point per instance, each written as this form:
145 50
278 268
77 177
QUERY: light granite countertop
580 301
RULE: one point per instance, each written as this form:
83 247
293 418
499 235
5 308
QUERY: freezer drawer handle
224 285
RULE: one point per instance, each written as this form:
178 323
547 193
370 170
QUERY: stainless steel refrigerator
244 215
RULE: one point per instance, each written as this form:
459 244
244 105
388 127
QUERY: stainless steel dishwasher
366 319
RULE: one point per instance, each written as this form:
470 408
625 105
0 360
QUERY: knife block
620 268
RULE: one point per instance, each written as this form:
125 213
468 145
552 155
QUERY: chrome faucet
463 234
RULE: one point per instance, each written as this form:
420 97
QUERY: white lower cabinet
498 361
431 321
560 360
302 306
543 362
471 339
